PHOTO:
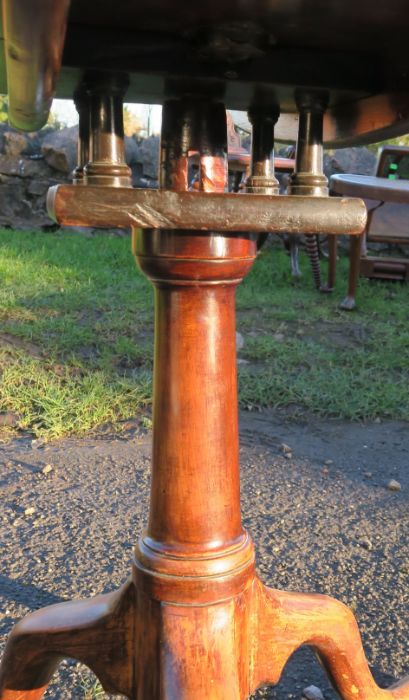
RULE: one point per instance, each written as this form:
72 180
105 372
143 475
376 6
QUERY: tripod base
145 648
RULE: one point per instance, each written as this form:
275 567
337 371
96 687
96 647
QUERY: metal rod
107 164
309 178
190 125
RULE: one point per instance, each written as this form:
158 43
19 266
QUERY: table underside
241 52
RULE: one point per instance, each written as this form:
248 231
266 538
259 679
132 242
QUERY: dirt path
333 528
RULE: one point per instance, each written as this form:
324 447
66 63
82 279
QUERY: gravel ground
321 516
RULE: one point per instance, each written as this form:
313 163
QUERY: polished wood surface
371 187
242 52
142 647
194 622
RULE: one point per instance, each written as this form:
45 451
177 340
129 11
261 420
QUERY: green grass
91 687
76 337
75 327
305 352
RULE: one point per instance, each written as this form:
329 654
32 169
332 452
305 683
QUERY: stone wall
31 163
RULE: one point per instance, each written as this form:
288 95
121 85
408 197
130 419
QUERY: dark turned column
84 149
212 144
107 164
176 141
308 177
262 179
193 124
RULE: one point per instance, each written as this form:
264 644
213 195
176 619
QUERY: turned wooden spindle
107 166
308 177
262 179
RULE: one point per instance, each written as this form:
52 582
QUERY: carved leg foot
97 632
288 620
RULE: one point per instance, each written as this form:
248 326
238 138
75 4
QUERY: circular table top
371 187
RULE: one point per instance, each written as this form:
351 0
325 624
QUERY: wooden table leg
98 632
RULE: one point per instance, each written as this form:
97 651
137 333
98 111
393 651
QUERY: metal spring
312 248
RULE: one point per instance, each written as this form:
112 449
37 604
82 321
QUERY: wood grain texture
195 623
288 620
34 33
98 632
149 649
24 694
195 526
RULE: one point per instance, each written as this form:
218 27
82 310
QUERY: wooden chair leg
97 632
355 245
294 248
332 264
289 620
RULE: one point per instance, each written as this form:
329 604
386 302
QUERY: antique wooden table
194 622
371 187
379 190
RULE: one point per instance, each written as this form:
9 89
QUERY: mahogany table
371 187
194 621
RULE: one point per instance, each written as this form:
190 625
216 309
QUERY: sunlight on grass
76 326
303 351
56 404
73 351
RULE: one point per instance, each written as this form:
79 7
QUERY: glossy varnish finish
195 622
34 32
357 51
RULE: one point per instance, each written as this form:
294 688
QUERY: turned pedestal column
195 564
